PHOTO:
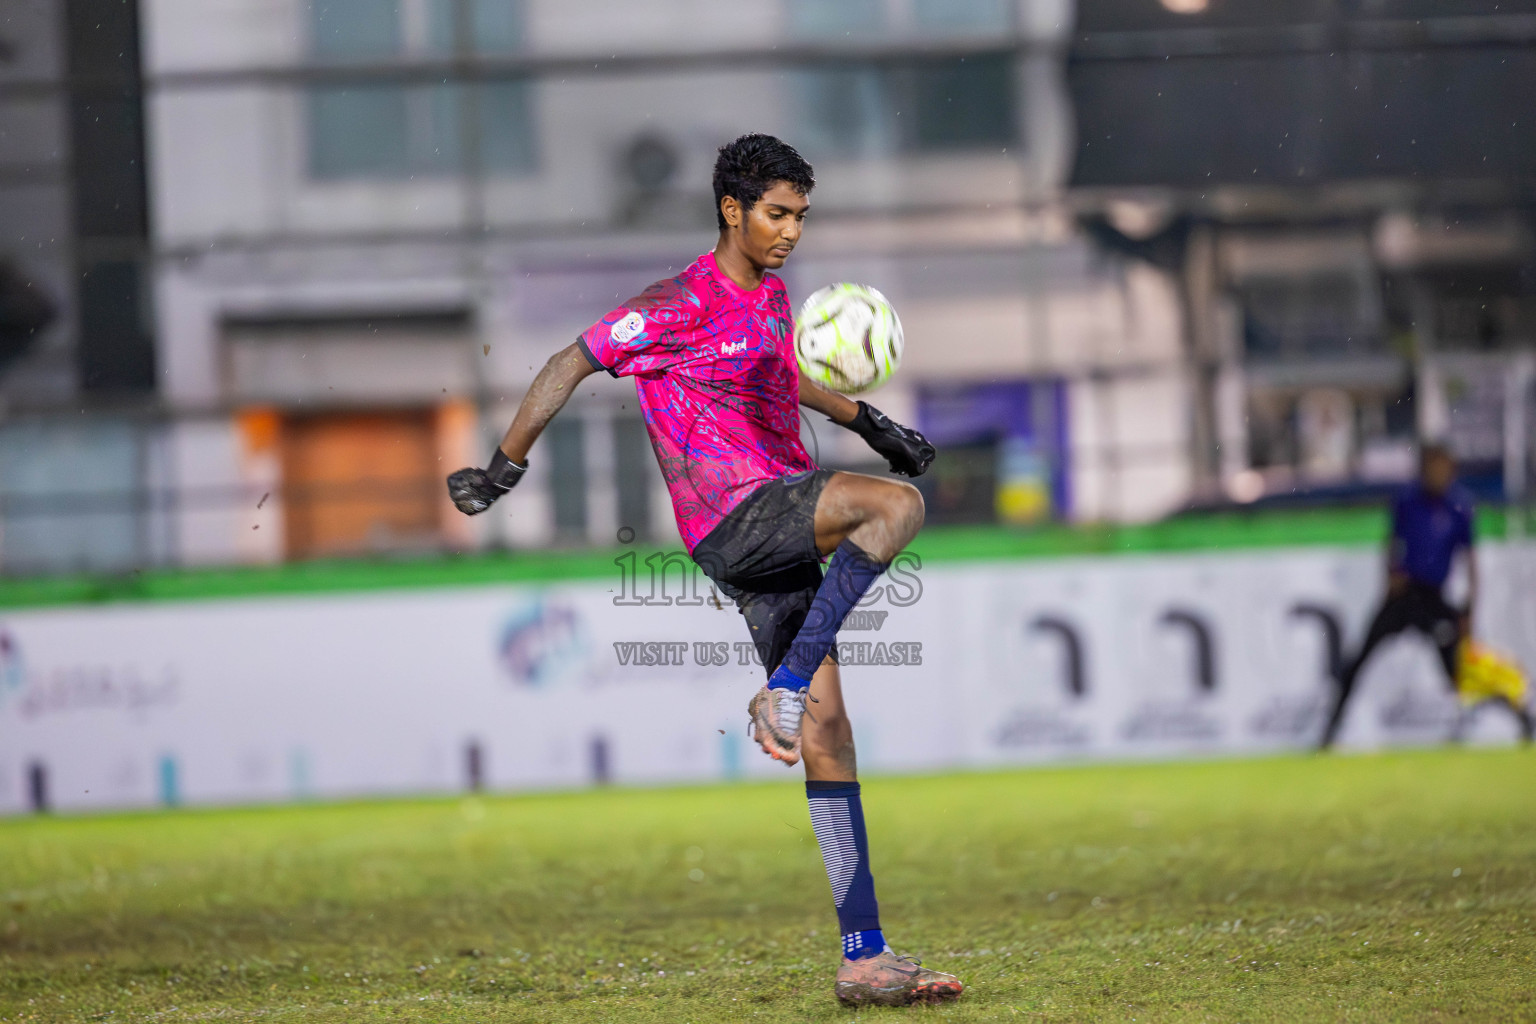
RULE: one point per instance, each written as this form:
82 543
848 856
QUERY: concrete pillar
1203 358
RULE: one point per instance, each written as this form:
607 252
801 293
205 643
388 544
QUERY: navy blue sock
852 572
837 815
859 945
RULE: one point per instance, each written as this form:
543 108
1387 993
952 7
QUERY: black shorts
1422 607
763 556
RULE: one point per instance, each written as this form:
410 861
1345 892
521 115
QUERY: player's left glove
473 490
908 451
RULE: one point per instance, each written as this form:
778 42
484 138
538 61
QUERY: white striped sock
834 834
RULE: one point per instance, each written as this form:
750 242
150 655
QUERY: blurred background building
270 268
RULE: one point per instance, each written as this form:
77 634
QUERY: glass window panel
355 28
633 463
358 131
962 103
931 105
508 143
568 477
97 465
964 16
845 110
496 26
391 131
839 17
436 127
1305 317
441 37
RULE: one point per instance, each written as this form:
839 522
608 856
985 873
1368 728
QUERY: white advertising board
522 687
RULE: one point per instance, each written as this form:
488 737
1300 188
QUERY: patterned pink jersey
715 370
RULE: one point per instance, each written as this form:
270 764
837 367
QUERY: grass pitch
1394 887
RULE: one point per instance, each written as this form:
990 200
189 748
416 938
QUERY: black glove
908 452
474 490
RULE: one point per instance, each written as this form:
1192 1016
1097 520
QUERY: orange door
359 482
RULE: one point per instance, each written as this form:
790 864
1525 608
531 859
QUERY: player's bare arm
546 396
840 409
1397 579
881 516
907 450
474 490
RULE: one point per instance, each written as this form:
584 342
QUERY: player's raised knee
907 505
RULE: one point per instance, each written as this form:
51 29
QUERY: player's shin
837 815
852 572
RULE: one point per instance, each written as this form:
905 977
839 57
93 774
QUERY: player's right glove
908 451
475 490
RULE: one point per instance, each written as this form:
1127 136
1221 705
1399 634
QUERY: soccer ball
848 337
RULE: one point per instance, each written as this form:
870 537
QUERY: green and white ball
848 337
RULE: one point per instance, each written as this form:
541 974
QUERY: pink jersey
714 367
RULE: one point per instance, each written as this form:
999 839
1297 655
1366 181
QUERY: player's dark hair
748 167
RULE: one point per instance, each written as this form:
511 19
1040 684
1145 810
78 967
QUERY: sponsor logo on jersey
732 348
625 330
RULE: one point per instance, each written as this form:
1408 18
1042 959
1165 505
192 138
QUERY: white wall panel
379 693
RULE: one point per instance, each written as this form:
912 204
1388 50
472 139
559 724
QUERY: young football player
1431 525
712 354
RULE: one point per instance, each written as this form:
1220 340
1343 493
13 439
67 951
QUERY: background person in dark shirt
1431 523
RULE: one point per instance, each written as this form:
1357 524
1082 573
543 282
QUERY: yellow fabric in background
1482 674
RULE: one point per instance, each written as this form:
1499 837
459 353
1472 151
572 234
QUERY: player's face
1438 474
769 231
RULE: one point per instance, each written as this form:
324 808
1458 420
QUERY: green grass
1390 887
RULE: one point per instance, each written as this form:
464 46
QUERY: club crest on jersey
625 330
732 348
